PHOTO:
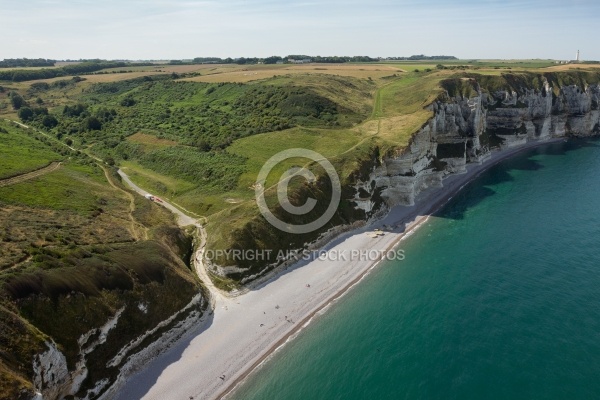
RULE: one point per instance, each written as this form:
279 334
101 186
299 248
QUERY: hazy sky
174 29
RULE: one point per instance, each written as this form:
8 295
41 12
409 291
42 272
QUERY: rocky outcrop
133 357
54 380
464 130
474 115
51 374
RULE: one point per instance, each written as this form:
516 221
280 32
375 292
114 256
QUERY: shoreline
227 352
411 227
308 319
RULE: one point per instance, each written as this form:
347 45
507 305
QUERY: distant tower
577 59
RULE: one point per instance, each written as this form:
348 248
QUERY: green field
62 190
21 153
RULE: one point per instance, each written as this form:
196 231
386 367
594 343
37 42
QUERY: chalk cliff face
464 130
474 115
53 379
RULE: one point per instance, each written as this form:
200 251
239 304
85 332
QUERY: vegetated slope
207 116
30 175
21 153
201 145
519 81
72 259
199 120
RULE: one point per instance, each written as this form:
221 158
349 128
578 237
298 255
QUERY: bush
16 100
92 124
49 121
127 102
25 114
217 171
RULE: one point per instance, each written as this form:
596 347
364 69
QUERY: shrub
16 100
92 123
49 121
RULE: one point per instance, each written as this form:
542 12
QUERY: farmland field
259 72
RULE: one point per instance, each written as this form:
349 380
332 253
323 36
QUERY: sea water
498 298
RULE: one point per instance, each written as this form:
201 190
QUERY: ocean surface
498 298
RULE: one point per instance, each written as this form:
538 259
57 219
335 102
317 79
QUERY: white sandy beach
210 361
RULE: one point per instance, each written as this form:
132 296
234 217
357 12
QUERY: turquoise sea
498 298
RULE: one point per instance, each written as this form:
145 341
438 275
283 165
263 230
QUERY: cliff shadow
138 386
562 148
482 187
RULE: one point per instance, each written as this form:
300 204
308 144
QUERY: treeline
421 57
26 62
332 59
274 60
84 68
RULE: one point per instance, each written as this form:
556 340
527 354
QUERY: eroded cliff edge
466 127
472 116
78 319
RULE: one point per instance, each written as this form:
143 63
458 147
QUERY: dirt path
186 220
182 218
139 231
30 175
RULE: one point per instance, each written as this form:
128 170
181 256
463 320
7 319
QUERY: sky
183 29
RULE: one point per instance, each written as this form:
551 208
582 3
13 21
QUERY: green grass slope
72 253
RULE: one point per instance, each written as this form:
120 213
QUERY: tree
25 114
39 111
93 124
128 102
16 100
49 121
74 111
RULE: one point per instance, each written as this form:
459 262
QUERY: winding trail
30 175
182 218
136 227
185 220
